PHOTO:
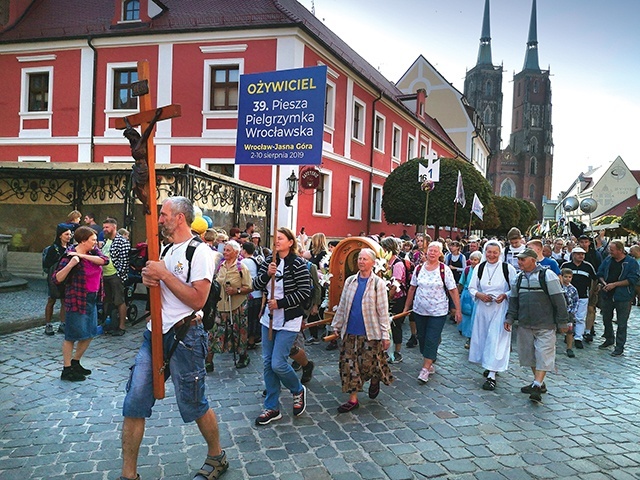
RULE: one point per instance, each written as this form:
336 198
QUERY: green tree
528 214
508 212
631 219
403 200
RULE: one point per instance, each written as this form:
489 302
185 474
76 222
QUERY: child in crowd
571 297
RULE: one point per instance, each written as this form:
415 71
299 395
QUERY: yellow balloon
199 225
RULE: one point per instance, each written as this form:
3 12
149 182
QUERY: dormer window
131 10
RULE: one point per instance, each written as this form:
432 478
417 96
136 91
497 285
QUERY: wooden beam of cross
144 178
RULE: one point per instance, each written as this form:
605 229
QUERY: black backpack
542 279
505 271
210 308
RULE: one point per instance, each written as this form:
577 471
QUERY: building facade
68 66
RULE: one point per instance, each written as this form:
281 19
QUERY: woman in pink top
81 271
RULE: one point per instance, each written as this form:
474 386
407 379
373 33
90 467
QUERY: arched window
487 116
507 188
535 86
533 146
532 190
488 88
533 166
131 10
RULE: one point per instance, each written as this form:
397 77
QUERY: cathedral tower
483 87
531 138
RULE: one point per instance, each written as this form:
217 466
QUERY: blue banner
281 117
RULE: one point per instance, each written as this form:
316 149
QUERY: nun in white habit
490 342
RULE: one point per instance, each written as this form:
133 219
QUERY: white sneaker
432 369
424 376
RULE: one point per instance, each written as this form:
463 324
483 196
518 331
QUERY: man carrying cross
184 286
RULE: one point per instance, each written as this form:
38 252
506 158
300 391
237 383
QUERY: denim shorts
82 326
186 369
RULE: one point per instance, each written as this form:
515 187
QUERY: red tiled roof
47 20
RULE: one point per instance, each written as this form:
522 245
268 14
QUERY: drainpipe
93 96
373 132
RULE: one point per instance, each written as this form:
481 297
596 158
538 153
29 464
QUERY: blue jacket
629 273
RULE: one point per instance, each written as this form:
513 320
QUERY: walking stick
230 324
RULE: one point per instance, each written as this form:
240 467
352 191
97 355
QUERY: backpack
505 271
56 290
441 276
210 307
404 286
542 279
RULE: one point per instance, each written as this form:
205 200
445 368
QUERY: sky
592 48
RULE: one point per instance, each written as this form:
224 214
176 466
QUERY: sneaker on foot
578 344
61 328
412 342
307 372
536 394
268 416
48 329
570 353
528 388
397 357
300 402
424 376
71 375
489 384
312 341
616 353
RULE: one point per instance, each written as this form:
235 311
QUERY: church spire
484 53
531 57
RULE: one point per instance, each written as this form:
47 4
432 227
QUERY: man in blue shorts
184 288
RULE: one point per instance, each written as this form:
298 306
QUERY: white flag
477 207
460 192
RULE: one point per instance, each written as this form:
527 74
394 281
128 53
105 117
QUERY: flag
460 192
477 207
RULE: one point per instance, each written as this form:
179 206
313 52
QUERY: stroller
137 260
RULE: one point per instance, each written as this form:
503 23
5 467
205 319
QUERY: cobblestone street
587 428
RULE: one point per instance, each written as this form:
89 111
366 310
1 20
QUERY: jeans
275 356
429 333
187 372
623 309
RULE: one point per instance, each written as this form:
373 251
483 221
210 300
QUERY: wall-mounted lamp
292 188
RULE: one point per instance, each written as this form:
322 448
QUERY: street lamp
292 188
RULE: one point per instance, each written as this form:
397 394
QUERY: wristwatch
239 290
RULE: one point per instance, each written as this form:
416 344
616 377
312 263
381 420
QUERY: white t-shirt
252 265
430 298
292 325
202 267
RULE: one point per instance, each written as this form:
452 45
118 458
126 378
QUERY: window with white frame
397 143
355 199
36 88
221 77
322 195
131 10
123 78
411 146
379 131
423 151
329 105
357 128
224 87
376 203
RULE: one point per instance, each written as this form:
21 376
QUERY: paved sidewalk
588 427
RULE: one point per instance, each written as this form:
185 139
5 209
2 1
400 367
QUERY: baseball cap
255 235
528 252
578 250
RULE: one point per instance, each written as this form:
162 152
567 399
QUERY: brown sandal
212 469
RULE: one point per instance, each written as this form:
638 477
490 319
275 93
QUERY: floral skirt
229 332
362 360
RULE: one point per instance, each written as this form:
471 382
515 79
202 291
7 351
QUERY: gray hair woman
362 321
229 332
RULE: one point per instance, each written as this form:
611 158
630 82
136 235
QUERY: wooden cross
147 118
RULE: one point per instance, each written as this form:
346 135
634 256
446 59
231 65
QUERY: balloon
197 211
208 220
199 225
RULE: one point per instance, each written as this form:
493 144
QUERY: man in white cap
259 253
584 279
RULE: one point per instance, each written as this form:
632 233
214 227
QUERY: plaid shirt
375 308
119 255
75 292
